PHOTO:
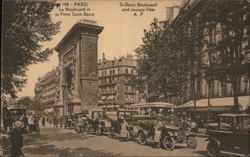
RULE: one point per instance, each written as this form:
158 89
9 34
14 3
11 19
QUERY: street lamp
209 82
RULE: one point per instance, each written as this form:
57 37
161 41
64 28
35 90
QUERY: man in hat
16 139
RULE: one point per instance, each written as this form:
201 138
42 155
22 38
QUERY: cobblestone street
66 143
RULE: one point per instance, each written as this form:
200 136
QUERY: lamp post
209 81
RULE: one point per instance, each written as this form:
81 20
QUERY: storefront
209 113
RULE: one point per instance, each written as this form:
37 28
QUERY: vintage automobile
81 122
69 121
17 113
132 129
99 123
232 139
170 134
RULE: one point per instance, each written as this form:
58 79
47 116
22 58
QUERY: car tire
191 142
142 138
212 149
168 143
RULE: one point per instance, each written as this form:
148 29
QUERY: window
226 123
132 71
126 71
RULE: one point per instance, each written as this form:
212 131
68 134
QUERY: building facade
116 85
212 35
47 89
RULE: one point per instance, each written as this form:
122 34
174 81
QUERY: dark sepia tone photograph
113 78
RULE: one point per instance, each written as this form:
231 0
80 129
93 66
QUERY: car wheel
110 133
191 142
168 143
213 149
142 138
98 131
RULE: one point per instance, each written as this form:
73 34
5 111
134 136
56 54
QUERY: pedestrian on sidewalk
124 130
55 122
61 122
16 139
158 127
43 121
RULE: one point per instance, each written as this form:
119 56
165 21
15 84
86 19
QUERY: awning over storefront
216 104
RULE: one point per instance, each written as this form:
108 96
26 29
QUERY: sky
121 35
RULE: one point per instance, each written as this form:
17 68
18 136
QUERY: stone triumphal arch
77 53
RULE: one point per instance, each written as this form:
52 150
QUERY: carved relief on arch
69 78
70 55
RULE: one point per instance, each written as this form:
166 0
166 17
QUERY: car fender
169 134
211 139
142 130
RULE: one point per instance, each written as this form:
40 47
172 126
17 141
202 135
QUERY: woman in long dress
124 126
157 137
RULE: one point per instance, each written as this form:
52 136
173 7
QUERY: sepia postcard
97 78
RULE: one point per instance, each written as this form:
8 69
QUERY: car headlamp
17 123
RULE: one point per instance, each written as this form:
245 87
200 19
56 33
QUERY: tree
26 24
228 56
163 60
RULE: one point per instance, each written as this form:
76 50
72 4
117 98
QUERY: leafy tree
164 61
26 24
228 56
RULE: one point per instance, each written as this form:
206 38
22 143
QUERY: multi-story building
202 89
116 85
47 89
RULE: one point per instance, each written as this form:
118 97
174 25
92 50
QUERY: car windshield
243 122
239 122
226 123
127 114
98 114
82 115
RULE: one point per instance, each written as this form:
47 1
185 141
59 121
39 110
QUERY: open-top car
178 134
230 136
169 136
132 128
81 122
99 123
